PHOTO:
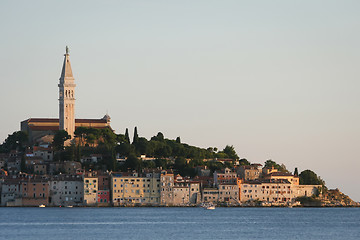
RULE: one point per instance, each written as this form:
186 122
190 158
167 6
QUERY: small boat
69 206
210 207
42 205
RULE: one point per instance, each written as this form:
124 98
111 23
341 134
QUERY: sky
276 79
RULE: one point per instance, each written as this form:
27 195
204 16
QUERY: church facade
38 128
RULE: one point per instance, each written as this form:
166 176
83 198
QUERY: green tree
308 177
270 163
16 141
230 152
136 137
59 139
243 162
159 137
127 138
142 146
133 163
161 163
296 173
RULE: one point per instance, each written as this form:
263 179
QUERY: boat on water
42 205
69 206
208 206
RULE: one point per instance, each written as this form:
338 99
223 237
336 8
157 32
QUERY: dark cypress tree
178 140
136 137
127 139
296 173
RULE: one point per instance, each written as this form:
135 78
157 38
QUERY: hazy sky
277 79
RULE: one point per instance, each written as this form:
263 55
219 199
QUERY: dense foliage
308 177
15 141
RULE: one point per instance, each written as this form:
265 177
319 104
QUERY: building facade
66 190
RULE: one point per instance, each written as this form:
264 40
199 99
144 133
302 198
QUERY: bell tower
67 97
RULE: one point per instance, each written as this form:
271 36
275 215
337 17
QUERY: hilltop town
82 162
100 173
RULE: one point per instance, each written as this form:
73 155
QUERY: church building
38 128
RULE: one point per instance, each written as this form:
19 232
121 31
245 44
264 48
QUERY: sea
180 223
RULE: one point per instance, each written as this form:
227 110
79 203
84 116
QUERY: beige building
166 189
249 172
229 193
225 176
275 191
131 189
285 176
186 191
210 195
268 170
90 189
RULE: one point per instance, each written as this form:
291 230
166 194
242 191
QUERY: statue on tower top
67 50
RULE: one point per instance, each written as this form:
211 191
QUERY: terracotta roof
281 174
44 128
90 121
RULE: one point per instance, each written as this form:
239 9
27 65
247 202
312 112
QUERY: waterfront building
275 191
10 191
129 189
186 191
229 193
210 195
66 190
167 191
91 188
34 192
269 191
103 197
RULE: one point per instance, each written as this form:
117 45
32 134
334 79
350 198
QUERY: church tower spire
67 97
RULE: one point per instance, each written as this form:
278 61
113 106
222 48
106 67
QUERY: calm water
179 223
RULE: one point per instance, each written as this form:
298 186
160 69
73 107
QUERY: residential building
91 188
249 172
210 195
281 175
103 197
229 193
40 169
34 192
129 188
66 190
71 167
166 191
10 191
46 153
225 176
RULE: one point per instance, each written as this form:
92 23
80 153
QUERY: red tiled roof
281 174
